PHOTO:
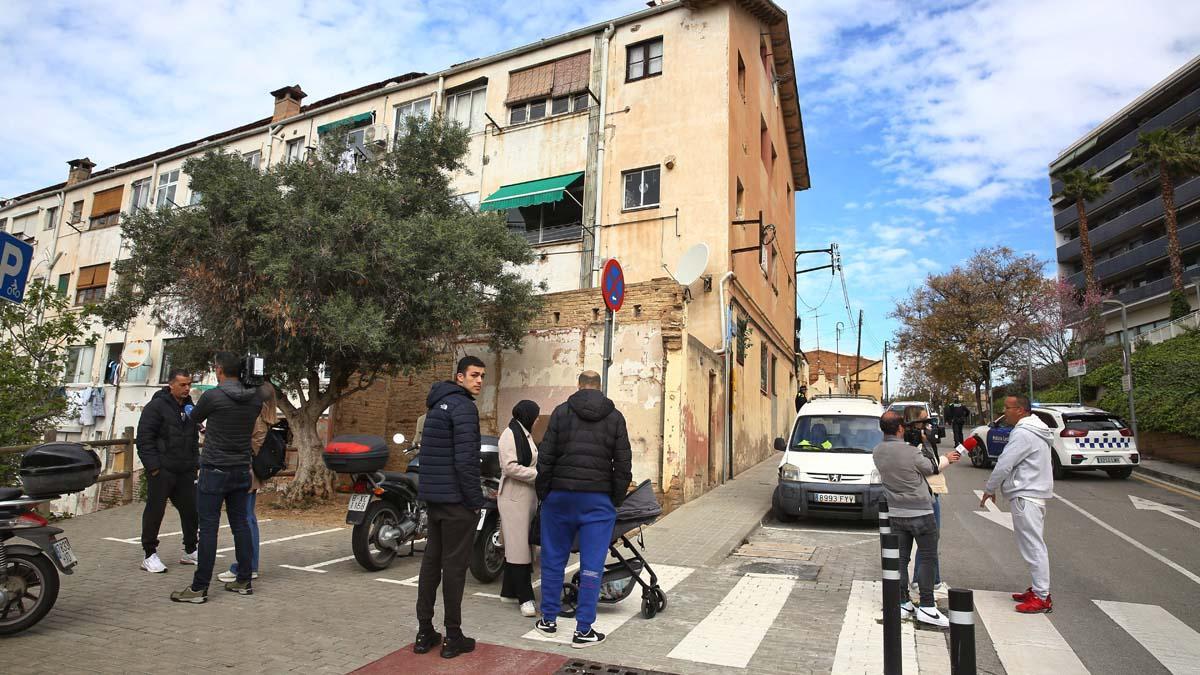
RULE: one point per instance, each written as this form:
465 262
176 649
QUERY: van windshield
836 433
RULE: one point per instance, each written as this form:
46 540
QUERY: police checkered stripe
1101 443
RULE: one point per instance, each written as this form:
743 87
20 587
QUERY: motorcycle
387 514
28 576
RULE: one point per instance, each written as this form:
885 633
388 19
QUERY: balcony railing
1185 194
551 235
1141 256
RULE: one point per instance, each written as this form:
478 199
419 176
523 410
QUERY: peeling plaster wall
703 420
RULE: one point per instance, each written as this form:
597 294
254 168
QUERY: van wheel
780 515
1059 472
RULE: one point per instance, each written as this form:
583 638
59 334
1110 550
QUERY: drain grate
578 667
801 571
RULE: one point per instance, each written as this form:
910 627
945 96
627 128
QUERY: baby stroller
640 508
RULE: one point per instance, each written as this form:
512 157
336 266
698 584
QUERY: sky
930 125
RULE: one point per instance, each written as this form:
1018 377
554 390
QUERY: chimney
81 170
287 102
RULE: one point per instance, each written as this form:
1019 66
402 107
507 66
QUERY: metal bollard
962 632
890 559
885 523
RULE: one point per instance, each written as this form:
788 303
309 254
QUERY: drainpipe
608 36
271 131
724 351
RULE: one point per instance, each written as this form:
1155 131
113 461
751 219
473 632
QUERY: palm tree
1084 185
1169 155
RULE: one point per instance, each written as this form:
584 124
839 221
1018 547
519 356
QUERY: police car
1085 439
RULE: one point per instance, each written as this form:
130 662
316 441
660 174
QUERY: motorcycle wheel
365 537
487 559
32 589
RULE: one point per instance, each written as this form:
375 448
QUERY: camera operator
231 410
917 432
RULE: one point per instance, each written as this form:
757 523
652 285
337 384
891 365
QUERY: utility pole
885 372
858 355
837 351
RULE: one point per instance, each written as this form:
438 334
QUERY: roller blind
107 201
93 276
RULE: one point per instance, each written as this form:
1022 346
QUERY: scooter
28 576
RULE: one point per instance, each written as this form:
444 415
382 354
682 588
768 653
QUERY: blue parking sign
15 260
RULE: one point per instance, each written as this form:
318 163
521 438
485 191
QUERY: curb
735 541
1168 477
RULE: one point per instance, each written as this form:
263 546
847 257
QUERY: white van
827 469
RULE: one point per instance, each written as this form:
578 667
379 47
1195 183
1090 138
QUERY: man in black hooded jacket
169 446
584 469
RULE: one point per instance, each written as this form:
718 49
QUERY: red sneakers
1023 597
1036 605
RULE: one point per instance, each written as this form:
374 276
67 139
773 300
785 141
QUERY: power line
822 302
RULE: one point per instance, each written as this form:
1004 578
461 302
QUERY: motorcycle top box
58 468
356 453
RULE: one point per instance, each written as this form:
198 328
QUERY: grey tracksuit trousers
1028 520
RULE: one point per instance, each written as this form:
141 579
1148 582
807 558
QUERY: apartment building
635 139
1126 226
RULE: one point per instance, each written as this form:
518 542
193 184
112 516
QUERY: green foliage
1166 392
1180 307
1085 184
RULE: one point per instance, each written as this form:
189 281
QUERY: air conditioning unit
376 134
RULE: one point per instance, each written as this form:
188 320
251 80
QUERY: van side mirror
780 444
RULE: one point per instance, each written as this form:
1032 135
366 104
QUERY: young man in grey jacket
902 470
1025 475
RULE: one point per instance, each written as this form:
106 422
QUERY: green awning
353 121
530 193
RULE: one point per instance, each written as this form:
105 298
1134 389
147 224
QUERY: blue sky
929 125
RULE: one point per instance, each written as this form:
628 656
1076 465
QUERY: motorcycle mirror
398 439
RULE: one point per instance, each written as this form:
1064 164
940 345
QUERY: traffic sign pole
612 287
608 338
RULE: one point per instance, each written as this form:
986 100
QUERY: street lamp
1030 355
987 365
1127 359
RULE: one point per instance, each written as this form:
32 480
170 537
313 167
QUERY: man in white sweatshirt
1025 475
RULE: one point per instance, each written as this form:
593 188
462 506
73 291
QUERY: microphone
967 445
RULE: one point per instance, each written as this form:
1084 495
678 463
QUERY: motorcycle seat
400 477
7 493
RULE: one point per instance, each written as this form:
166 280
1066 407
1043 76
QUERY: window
77 212
167 184
64 283
536 110
740 208
765 54
764 255
467 108
774 367
764 358
295 150
79 364
112 362
51 218
3 224
644 59
195 198
169 349
772 259
741 77
106 207
421 109
641 188
546 223
139 195
22 225
764 142
254 159
470 200
93 281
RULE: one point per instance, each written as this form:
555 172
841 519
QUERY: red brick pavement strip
485 659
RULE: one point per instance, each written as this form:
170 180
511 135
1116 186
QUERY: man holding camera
230 409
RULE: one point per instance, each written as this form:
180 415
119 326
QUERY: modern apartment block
636 139
1126 226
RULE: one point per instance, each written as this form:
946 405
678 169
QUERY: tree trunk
312 479
1173 253
979 399
1085 249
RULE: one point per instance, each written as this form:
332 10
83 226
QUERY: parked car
827 468
935 418
1085 439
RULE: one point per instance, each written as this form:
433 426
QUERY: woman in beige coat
518 503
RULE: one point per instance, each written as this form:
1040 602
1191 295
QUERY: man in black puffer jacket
584 469
450 486
169 446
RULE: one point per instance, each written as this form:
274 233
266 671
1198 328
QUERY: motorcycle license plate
1108 460
357 508
62 550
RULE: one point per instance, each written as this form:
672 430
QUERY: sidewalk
706 530
1179 474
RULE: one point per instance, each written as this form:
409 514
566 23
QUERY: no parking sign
15 259
612 284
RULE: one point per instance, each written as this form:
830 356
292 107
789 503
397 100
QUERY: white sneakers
941 588
932 616
508 601
528 609
906 610
153 564
228 576
186 558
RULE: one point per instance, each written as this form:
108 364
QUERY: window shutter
93 277
571 75
536 82
107 201
86 275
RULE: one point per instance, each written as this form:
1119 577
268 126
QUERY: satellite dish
691 264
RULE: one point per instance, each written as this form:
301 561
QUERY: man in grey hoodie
1025 475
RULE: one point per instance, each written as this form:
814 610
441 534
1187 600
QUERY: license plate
359 502
835 499
62 549
1108 460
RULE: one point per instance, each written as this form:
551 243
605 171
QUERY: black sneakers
426 642
587 639
546 627
455 646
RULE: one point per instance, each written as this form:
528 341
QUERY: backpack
272 456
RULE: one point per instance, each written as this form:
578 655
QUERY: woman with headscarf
518 503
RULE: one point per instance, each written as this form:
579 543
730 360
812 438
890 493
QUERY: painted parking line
283 539
316 567
733 630
566 573
138 539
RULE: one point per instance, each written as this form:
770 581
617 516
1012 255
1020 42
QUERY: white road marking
138 539
566 577
802 529
733 630
282 539
1165 509
316 567
1171 641
611 617
1137 544
860 642
994 514
1026 643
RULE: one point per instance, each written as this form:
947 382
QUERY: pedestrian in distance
268 417
916 421
1025 475
956 414
230 410
801 397
584 470
903 470
517 500
168 443
450 486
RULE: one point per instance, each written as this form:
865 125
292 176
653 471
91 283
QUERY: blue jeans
214 487
252 521
566 514
937 563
